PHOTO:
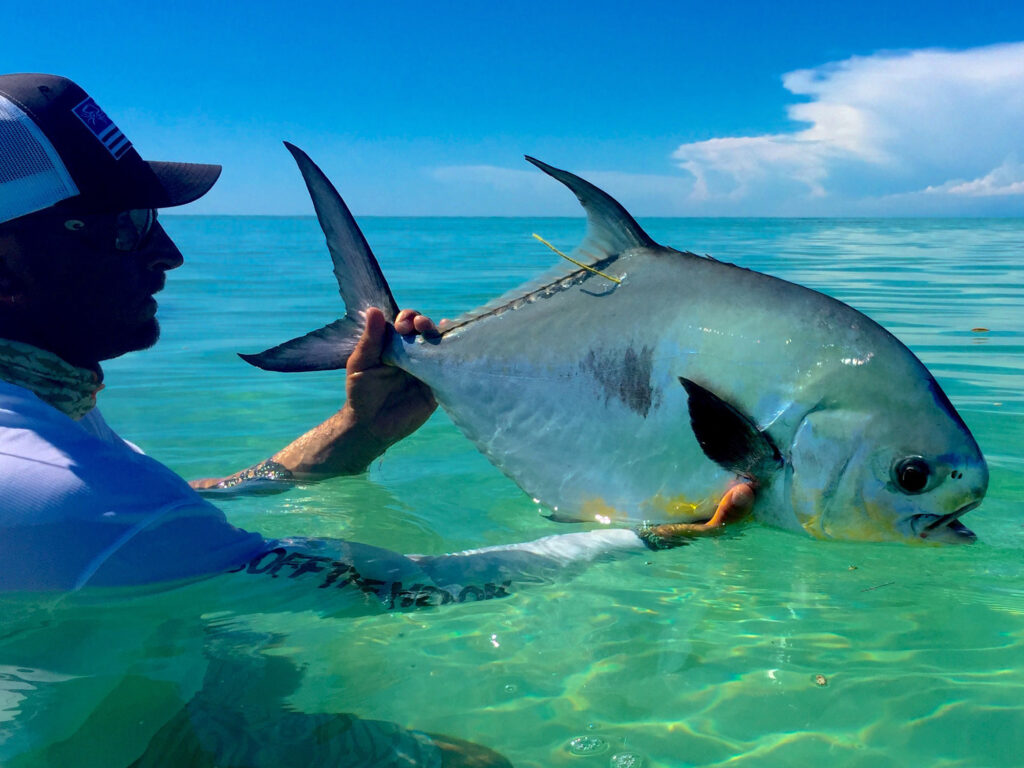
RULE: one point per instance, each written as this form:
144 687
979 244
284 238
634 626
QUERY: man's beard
143 336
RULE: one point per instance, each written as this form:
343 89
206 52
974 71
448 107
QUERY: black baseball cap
56 144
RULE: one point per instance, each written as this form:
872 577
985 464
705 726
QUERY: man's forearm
341 445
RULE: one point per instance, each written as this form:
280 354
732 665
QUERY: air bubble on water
510 688
626 760
587 745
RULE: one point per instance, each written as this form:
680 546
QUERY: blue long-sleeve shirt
83 508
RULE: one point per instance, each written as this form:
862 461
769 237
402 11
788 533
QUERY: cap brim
182 182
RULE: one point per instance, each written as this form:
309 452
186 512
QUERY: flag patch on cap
103 128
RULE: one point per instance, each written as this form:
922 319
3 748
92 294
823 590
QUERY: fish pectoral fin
727 436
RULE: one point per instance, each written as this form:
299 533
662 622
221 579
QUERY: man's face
85 283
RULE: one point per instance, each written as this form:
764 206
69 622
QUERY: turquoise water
705 655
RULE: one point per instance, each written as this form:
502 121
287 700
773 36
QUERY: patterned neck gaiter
67 388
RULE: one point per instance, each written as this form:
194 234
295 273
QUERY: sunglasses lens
133 227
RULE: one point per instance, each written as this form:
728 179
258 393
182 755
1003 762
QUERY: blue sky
676 108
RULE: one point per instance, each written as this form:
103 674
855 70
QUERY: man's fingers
404 322
409 321
425 325
370 345
742 498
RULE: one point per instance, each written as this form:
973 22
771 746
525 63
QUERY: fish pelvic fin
360 281
728 437
610 228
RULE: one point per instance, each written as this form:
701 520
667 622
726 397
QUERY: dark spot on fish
624 376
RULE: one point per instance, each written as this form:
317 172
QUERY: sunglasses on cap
132 228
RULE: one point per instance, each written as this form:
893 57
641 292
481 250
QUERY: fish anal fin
727 436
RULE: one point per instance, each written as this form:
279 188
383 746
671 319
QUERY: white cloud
891 124
924 132
1007 179
734 168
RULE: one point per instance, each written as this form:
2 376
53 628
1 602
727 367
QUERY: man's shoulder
52 463
32 430
18 404
78 504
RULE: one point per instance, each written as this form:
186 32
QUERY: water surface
705 655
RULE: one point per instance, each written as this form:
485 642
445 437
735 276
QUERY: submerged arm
333 572
394 581
383 405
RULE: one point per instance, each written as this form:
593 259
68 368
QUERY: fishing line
577 263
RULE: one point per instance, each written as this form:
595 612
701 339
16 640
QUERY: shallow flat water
705 655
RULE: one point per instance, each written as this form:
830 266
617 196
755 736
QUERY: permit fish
640 383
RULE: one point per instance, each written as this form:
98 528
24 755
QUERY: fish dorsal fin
610 231
360 281
610 228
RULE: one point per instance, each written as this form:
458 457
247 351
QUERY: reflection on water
706 655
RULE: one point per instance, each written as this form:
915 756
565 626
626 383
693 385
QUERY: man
81 257
83 512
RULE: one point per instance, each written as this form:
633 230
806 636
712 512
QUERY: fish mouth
945 528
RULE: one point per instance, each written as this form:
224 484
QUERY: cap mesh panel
32 176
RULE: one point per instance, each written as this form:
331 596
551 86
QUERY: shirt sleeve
326 574
542 560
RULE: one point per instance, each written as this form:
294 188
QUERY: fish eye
911 474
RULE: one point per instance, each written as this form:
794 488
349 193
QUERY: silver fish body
574 388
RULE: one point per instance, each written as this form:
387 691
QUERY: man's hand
385 401
383 405
736 505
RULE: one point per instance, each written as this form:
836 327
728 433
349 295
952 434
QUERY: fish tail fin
325 349
360 281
